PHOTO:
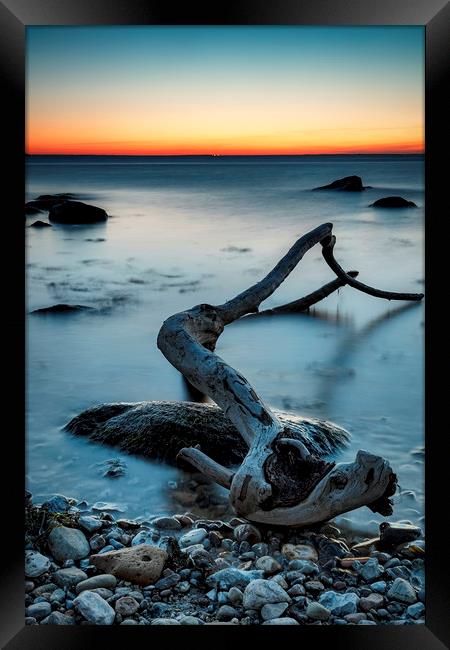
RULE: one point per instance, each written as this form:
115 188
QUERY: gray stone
235 596
168 581
339 604
39 610
195 536
57 618
280 581
91 524
94 609
164 621
126 606
58 596
415 611
402 591
273 610
35 564
226 613
190 620
374 601
392 534
104 593
281 621
143 537
268 565
296 590
97 542
371 570
56 503
247 533
355 618
68 544
260 592
166 523
232 577
306 567
317 612
299 552
101 581
69 577
48 588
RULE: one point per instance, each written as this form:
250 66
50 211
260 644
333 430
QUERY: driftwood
280 481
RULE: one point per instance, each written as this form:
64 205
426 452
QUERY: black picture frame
15 16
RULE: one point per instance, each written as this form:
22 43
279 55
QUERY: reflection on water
193 232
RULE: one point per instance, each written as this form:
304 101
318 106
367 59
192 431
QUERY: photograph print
225 325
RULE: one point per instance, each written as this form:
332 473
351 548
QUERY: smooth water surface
196 229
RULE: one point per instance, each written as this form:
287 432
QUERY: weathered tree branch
271 475
327 252
302 304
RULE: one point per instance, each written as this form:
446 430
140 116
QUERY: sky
155 90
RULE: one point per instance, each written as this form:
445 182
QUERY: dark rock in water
393 202
160 429
40 224
346 184
394 534
60 309
76 212
47 201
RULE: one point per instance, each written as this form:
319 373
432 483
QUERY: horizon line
234 155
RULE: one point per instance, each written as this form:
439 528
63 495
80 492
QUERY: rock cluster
183 570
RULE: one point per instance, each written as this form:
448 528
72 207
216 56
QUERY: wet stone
35 564
402 591
226 613
317 611
69 577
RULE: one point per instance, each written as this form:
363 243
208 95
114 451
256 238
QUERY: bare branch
302 304
207 466
327 252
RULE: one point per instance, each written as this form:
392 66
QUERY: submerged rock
160 429
393 202
60 308
76 212
346 184
40 224
47 201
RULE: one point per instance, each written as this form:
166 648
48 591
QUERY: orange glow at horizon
227 91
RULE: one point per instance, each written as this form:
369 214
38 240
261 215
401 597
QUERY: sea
199 229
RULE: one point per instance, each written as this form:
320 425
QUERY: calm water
173 241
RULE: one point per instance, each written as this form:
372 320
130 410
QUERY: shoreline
214 571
